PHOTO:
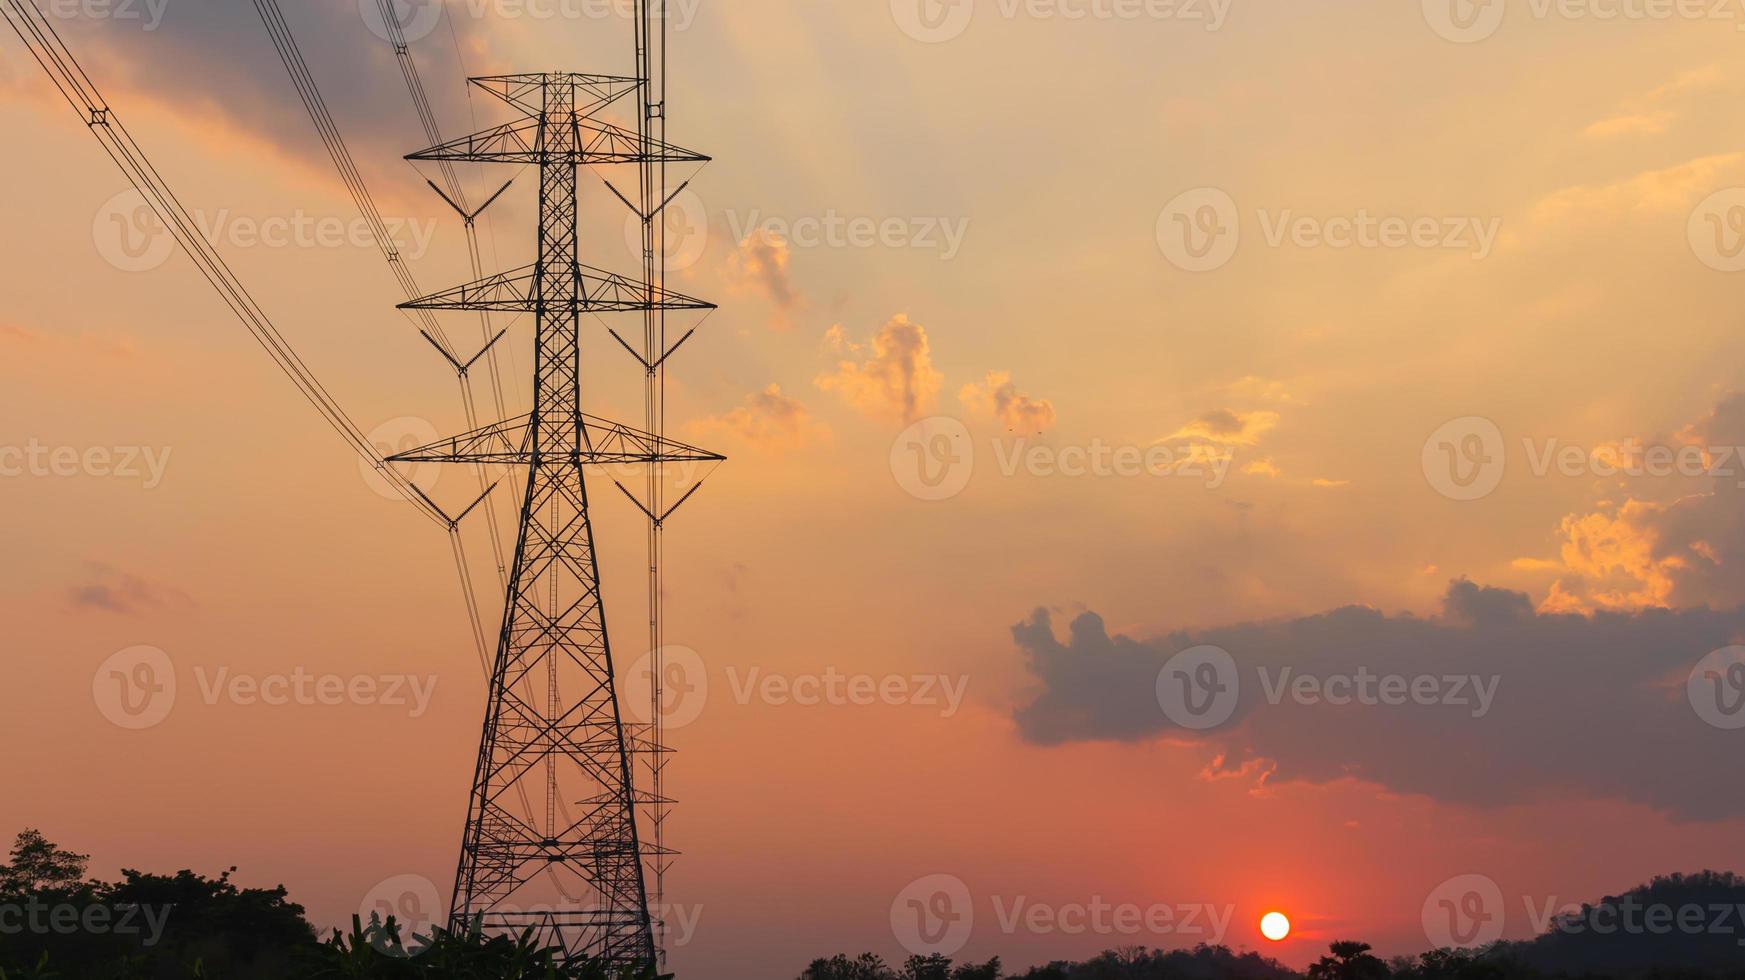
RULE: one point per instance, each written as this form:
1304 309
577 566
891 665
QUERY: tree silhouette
37 866
1350 960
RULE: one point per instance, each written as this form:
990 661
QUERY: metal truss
551 840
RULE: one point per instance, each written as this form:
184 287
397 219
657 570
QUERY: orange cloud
999 395
760 265
898 379
1227 428
771 421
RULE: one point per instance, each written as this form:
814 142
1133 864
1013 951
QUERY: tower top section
568 100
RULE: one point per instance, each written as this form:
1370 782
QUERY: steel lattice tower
551 840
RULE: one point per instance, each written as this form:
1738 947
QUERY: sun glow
1274 926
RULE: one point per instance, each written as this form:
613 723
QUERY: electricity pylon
567 862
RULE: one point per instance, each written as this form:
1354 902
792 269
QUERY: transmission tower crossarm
510 442
597 142
517 291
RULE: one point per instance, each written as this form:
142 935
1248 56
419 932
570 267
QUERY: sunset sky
1056 243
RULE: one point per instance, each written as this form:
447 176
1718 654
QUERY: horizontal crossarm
511 441
514 292
597 142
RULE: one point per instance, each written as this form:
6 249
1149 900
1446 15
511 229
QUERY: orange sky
985 229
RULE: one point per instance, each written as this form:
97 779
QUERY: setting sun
1274 926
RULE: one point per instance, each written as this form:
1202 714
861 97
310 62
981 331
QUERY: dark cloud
213 58
114 591
1583 707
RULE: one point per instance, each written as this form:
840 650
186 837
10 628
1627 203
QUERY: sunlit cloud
759 265
1640 553
1641 116
1227 428
896 381
999 396
769 421
1662 191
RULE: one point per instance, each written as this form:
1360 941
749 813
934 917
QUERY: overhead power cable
71 80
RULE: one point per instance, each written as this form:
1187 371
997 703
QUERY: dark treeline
1678 927
55 924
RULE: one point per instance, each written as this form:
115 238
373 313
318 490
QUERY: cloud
1647 123
896 381
1641 115
1689 551
1213 438
771 421
1224 427
211 62
1666 191
1255 388
760 265
1016 411
1582 707
109 590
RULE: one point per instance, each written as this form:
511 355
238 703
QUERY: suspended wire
304 81
70 79
457 196
285 43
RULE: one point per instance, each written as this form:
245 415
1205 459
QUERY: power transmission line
71 80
